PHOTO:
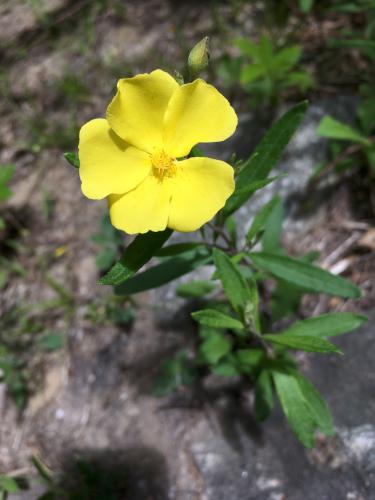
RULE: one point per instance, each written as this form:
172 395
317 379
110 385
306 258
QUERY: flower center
162 164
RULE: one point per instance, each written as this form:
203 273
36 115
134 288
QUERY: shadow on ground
127 474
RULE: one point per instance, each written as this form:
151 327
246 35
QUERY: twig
341 249
349 151
221 233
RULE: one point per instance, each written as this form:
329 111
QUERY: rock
18 17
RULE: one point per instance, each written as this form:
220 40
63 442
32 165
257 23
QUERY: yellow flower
137 155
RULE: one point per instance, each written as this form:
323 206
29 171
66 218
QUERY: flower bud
198 57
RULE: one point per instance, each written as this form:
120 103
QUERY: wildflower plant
143 157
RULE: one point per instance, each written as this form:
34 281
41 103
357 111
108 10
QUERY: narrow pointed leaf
326 325
317 405
305 275
72 158
163 273
217 319
334 129
260 218
235 287
295 408
264 402
302 343
140 251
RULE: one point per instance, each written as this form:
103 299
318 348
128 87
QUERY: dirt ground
91 399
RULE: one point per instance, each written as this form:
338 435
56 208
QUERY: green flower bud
198 57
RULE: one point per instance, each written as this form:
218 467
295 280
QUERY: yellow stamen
163 165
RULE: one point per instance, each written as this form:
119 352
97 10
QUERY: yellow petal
144 209
107 163
137 111
197 112
200 189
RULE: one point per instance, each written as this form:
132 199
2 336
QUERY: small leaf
195 289
6 173
225 369
140 251
8 484
306 5
251 72
174 373
305 275
250 359
273 228
264 402
51 341
214 347
217 319
287 57
326 325
317 405
334 129
295 407
247 47
234 284
72 158
302 343
261 217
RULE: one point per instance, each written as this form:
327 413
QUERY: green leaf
140 251
177 248
251 72
302 343
288 57
225 369
305 275
295 408
261 217
300 79
195 289
266 155
72 158
247 47
6 173
273 228
264 402
234 202
165 272
306 5
334 129
51 341
326 325
318 407
172 374
235 287
250 359
105 258
266 51
216 319
214 347
8 484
